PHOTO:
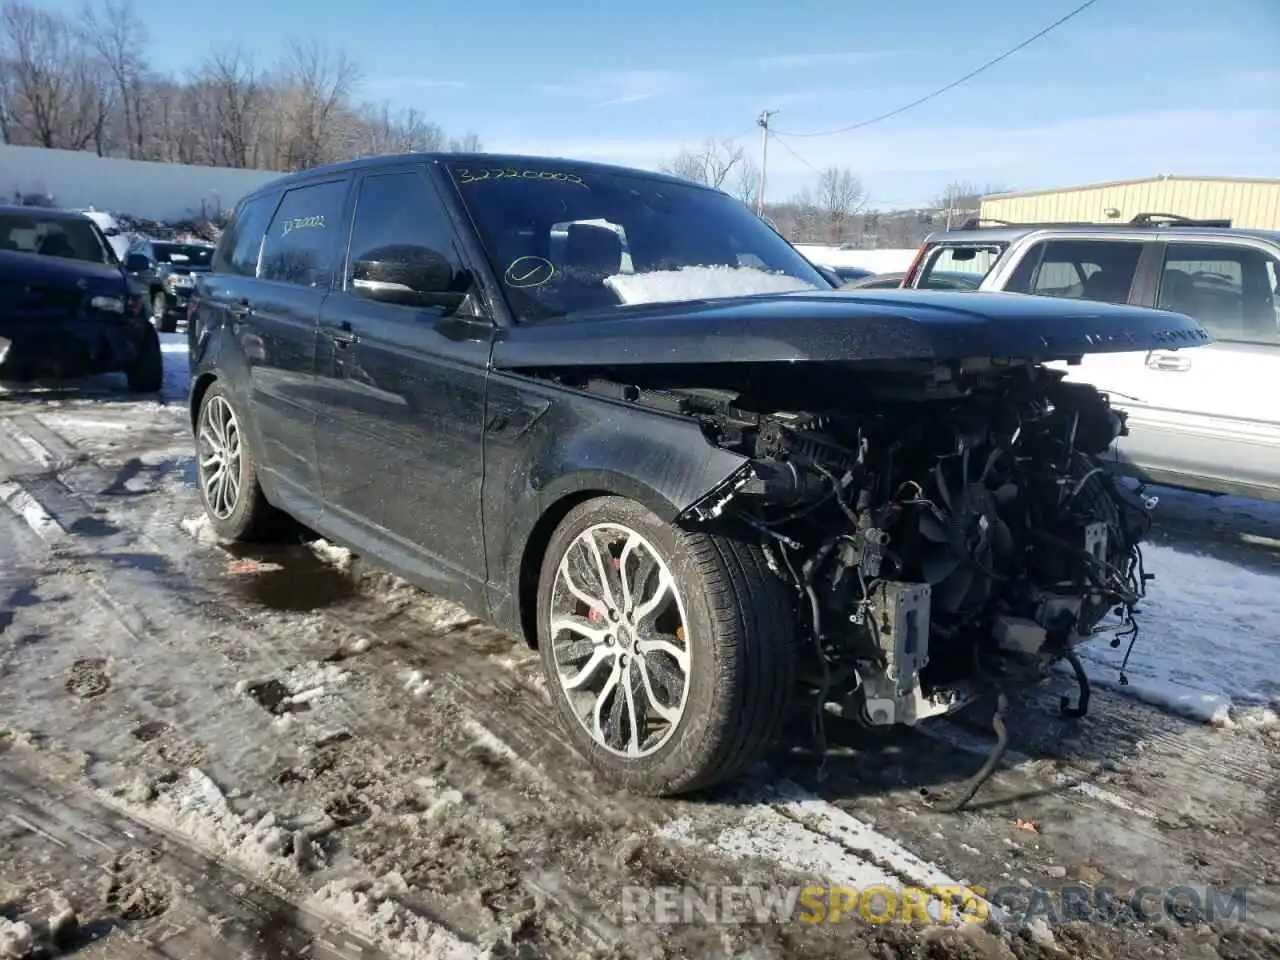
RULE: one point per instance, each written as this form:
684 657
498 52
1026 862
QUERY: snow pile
195 808
1208 646
701 283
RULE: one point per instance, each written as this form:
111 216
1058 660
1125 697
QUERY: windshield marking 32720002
567 241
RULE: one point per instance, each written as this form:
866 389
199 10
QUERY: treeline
86 84
834 209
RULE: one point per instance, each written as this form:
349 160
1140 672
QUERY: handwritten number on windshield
510 173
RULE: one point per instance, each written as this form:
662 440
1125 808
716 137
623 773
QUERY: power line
950 86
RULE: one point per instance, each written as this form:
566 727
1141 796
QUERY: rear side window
1102 270
1231 289
240 244
302 242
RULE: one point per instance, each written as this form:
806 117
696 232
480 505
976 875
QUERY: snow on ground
1209 642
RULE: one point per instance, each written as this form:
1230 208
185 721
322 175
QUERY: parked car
938 280
1208 421
168 270
65 306
702 486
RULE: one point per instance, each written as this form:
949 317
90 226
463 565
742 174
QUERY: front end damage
949 529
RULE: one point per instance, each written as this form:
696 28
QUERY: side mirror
408 276
137 263
111 232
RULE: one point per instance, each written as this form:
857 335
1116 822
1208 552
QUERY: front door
281 310
402 390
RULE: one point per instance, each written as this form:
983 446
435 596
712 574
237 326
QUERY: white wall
154 191
877 261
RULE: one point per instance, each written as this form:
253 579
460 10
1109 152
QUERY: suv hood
844 326
20 269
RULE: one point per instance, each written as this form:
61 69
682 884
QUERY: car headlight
107 304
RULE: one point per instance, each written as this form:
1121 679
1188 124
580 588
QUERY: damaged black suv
617 414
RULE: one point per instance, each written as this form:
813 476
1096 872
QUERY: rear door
403 387
299 254
1222 413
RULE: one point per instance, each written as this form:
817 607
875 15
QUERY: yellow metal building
1245 202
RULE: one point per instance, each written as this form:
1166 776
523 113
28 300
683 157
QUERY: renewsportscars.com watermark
819 903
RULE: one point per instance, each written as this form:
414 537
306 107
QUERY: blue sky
1128 88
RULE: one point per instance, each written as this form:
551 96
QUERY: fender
547 445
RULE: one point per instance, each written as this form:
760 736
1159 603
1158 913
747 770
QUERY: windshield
67 238
959 267
183 254
566 239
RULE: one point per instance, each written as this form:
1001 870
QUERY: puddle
93 527
291 579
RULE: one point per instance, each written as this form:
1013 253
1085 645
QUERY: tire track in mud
133 626
155 893
497 700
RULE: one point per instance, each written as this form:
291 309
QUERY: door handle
343 336
1169 362
240 310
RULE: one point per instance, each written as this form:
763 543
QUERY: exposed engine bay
948 528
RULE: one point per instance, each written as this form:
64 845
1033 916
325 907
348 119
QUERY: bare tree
118 38
747 183
317 83
383 130
962 199
710 164
468 143
840 195
54 91
88 85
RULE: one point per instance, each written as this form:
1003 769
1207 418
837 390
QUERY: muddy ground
215 752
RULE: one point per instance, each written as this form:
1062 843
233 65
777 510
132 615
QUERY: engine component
900 626
941 547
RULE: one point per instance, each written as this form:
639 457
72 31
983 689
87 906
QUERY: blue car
67 308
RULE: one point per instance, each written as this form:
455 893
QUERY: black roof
48 213
478 159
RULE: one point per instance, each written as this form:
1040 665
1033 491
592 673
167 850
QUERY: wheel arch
198 389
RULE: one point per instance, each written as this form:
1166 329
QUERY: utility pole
763 120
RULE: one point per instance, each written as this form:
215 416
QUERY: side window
241 242
301 244
1101 270
402 245
1229 288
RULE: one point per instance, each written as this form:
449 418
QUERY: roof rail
1173 219
1141 220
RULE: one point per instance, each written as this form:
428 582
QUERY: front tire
228 479
669 654
145 374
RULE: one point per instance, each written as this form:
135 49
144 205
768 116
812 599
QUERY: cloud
615 87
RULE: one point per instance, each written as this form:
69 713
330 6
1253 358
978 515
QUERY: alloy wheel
619 636
218 447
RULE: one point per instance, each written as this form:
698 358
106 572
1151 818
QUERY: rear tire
225 473
713 661
146 373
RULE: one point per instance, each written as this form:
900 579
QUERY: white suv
1206 419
